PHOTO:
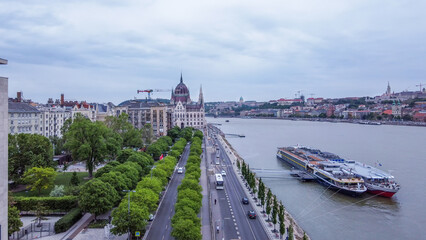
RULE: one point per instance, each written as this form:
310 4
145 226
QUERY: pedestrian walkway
78 226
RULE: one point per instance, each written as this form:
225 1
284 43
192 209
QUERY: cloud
105 50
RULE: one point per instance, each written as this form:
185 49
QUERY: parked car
245 200
151 217
223 173
180 170
251 214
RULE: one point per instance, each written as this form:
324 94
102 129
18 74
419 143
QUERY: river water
322 213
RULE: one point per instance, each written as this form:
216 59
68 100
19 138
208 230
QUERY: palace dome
181 93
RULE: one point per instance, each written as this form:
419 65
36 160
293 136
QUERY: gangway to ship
235 135
289 174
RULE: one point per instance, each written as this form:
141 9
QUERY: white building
52 120
84 109
186 113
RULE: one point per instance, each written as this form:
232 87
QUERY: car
151 217
244 200
251 214
223 173
180 170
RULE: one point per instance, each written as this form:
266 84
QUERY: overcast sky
104 50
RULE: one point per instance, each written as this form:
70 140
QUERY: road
161 225
234 214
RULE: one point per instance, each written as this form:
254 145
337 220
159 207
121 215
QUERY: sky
105 50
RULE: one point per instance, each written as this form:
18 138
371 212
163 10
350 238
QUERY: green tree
91 142
281 217
97 197
40 213
290 232
262 194
191 194
131 137
186 202
145 197
124 154
147 134
305 237
122 221
186 229
190 184
174 133
26 151
58 144
151 183
268 204
14 220
154 150
274 212
185 213
116 180
198 134
39 178
74 181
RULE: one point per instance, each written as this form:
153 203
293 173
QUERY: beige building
142 112
4 129
84 109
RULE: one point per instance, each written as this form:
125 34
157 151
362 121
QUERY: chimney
19 96
62 99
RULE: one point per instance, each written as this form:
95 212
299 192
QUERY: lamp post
128 210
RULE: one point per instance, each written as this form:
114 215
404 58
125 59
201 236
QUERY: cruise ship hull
381 193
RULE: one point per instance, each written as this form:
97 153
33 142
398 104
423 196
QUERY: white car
180 170
223 173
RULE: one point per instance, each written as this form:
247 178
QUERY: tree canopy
97 197
91 142
131 136
39 178
26 151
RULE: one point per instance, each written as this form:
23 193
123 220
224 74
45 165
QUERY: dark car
251 214
244 200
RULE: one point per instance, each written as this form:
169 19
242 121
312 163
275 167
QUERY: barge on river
347 176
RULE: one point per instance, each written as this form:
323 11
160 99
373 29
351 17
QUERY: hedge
64 203
68 220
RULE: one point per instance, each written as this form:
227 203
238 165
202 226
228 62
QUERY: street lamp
128 210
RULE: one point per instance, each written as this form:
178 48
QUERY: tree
116 180
58 144
124 154
74 181
268 203
97 197
14 220
275 212
190 184
121 125
90 142
290 232
26 151
57 191
154 150
39 178
185 213
186 229
147 134
39 214
174 133
198 134
281 215
145 197
122 221
190 194
305 237
151 183
261 194
238 164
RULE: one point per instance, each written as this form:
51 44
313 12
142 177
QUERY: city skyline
103 51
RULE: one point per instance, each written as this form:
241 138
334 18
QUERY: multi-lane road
235 222
160 227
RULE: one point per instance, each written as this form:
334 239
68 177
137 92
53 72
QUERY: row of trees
186 224
274 209
145 197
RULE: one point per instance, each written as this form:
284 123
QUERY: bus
219 181
217 161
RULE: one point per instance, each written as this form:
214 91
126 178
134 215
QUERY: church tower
388 90
200 97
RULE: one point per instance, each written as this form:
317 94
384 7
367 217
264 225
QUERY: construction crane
149 91
420 86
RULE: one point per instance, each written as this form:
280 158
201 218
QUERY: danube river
322 213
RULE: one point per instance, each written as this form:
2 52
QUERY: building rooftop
19 107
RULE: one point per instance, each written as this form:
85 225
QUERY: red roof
388 112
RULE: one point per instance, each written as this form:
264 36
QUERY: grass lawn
63 178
